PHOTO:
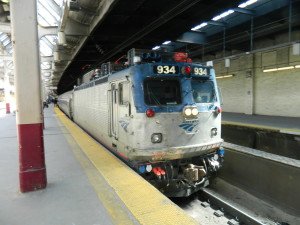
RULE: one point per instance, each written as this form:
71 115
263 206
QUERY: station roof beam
192 38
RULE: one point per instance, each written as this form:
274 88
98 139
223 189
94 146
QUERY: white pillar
28 94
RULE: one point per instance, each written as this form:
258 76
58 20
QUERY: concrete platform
86 183
272 134
283 124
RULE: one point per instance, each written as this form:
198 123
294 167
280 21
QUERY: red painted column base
33 180
32 173
7 108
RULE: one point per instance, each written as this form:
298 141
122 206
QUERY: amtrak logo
189 126
124 125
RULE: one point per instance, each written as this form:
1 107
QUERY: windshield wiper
153 96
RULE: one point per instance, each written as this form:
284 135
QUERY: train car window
203 91
162 92
124 93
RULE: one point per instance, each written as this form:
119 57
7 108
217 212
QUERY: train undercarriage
182 177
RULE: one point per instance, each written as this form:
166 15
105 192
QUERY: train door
71 108
124 99
113 100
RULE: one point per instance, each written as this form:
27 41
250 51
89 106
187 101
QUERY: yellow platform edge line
104 192
145 202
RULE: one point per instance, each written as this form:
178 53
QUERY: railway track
253 187
235 213
212 207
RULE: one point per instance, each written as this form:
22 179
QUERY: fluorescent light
297 66
225 76
216 18
199 26
247 3
281 68
222 15
230 75
286 68
270 70
166 42
156 47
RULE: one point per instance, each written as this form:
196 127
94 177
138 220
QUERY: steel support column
290 20
224 42
32 173
251 33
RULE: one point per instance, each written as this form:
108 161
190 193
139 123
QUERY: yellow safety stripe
146 203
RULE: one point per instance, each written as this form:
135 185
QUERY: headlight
156 138
188 111
194 111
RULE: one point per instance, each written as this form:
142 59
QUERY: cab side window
124 93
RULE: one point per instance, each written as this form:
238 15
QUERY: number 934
166 69
200 71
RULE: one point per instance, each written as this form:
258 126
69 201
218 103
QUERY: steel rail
242 216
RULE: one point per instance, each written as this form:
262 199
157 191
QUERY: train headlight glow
195 112
188 111
156 138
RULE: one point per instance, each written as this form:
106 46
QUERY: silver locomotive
160 113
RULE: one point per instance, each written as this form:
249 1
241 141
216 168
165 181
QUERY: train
157 111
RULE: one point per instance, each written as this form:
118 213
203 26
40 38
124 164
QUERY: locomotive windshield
203 91
162 92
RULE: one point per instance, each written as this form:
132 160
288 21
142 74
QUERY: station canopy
49 14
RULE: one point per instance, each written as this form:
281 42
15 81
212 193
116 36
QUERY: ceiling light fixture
166 42
199 26
156 47
223 15
247 3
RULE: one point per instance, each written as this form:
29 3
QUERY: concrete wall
253 91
